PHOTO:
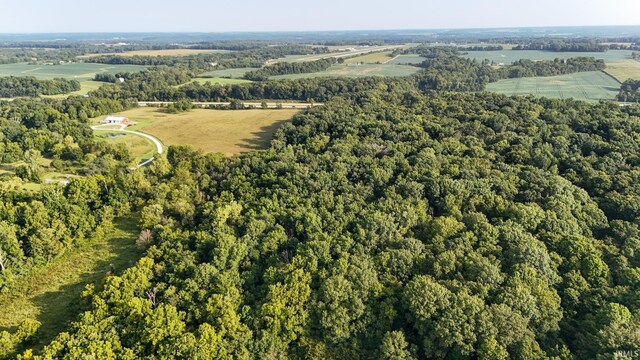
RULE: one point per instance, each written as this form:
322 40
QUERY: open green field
8 179
166 52
407 59
509 56
220 81
229 73
590 86
624 70
353 70
51 294
225 131
77 71
85 87
141 148
373 58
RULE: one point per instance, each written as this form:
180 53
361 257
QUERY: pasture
372 58
220 80
226 131
354 70
590 86
140 148
407 59
228 73
624 70
75 71
509 56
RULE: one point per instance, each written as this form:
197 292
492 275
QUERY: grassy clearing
225 131
590 86
8 180
86 87
407 59
353 70
51 294
624 70
166 52
221 81
373 58
229 73
141 148
76 71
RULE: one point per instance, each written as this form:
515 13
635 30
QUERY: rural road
270 105
159 147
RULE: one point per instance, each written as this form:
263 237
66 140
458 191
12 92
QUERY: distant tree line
14 86
481 48
283 68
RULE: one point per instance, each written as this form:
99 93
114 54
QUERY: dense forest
388 224
283 68
12 86
408 218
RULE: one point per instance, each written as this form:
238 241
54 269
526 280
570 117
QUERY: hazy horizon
120 16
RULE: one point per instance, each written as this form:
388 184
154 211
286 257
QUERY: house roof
115 118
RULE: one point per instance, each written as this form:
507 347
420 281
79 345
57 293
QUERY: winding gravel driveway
106 127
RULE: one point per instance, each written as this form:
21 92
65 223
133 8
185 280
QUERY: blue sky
293 15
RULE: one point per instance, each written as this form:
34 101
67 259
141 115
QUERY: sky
35 16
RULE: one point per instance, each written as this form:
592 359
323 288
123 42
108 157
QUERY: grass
590 86
225 131
407 59
77 71
141 148
85 87
8 180
165 52
51 294
373 58
228 73
220 80
624 70
353 70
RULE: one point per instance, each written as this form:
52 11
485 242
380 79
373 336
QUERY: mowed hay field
75 71
407 59
373 58
85 88
229 73
225 131
624 70
166 52
590 86
354 70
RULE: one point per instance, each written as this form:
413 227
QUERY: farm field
340 54
51 294
373 58
624 70
357 71
229 73
509 56
590 86
220 80
225 131
407 59
165 52
77 71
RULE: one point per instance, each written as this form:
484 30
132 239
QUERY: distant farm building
115 120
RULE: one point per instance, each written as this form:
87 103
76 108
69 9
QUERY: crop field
140 148
590 86
229 73
373 58
166 52
225 131
624 70
509 56
220 81
354 70
77 71
407 59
